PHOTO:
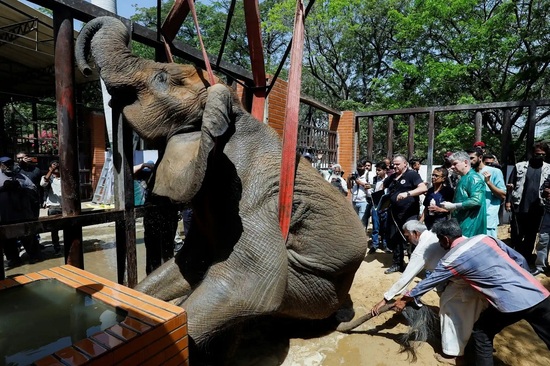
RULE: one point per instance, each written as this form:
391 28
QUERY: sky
125 8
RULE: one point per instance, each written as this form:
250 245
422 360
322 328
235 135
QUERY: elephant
234 265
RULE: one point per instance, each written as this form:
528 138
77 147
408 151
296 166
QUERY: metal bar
12 32
226 31
287 51
256 50
68 134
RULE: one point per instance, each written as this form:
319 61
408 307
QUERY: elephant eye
159 81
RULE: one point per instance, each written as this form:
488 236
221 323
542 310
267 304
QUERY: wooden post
67 127
431 141
389 143
411 136
125 229
532 121
478 120
370 134
506 140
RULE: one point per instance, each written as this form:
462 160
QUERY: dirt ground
372 344
375 342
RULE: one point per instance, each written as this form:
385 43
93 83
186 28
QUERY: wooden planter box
152 333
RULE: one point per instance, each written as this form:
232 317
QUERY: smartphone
34 159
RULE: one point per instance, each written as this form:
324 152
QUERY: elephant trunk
106 33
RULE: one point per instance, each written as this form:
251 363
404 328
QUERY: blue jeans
377 230
363 211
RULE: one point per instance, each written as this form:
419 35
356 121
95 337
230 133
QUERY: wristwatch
408 193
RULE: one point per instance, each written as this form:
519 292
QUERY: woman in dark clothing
437 193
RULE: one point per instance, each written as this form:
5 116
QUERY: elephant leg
165 283
250 282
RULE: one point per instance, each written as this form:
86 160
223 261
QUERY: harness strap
290 131
204 54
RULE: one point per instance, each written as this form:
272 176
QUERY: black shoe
537 271
14 263
388 251
372 250
394 268
35 260
57 251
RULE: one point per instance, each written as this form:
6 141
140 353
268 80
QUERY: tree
379 55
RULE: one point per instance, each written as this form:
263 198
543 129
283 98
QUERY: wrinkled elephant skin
234 264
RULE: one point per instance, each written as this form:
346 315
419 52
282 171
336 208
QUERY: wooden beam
454 108
174 19
85 12
256 50
318 105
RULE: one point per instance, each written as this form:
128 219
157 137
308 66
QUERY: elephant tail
423 327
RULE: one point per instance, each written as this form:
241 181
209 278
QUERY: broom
423 326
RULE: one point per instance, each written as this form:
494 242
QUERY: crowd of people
483 283
24 190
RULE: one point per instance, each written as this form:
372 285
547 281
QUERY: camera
354 175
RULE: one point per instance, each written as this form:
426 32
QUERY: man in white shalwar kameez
459 304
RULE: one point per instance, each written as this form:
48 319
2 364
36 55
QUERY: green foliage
382 55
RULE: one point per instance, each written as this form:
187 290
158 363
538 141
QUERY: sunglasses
540 155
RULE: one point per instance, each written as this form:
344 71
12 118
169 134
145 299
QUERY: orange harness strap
204 54
290 131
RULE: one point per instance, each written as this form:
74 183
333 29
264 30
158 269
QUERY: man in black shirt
404 186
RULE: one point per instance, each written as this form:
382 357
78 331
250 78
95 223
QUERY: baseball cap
4 159
479 144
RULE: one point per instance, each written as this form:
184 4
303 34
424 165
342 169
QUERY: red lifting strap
290 131
204 54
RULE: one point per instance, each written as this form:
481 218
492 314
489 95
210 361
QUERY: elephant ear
181 171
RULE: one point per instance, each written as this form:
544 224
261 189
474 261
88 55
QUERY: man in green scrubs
469 206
